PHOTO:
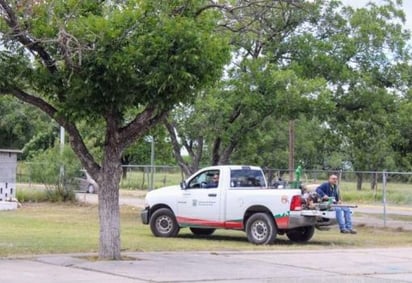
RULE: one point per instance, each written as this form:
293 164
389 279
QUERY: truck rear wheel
261 229
302 234
202 231
163 223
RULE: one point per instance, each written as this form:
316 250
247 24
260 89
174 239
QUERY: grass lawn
42 228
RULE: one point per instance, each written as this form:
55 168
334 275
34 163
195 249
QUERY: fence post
384 197
152 168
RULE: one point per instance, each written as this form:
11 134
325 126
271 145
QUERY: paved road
365 265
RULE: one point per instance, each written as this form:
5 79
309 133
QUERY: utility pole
61 175
152 163
291 149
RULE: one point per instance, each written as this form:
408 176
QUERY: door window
206 179
246 178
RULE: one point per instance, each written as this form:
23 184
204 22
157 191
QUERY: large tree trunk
109 209
125 161
374 181
359 181
109 217
109 177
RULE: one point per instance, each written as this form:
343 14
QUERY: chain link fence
370 184
384 199
393 188
146 177
134 177
386 191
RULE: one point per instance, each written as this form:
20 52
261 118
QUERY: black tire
163 223
202 231
90 189
261 229
301 235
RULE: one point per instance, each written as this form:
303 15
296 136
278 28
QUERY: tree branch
176 148
149 117
216 150
22 36
75 138
225 156
30 99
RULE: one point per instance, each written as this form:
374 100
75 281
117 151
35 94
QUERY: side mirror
183 185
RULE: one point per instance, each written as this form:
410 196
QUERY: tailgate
329 214
323 218
314 217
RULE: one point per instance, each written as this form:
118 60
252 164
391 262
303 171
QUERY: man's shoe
344 231
352 231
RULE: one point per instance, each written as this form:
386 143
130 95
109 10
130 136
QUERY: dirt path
132 198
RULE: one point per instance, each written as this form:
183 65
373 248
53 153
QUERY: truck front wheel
261 229
163 223
302 234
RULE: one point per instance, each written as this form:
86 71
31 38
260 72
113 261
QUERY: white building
8 168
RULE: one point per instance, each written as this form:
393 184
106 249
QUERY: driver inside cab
214 182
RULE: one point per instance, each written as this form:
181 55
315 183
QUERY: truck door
199 204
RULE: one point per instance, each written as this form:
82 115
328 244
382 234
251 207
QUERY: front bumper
144 215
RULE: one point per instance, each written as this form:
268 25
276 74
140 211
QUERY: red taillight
296 203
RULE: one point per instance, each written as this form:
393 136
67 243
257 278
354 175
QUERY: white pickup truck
241 200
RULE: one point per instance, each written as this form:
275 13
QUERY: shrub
31 195
61 194
46 168
57 194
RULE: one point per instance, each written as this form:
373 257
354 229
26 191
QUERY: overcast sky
407 7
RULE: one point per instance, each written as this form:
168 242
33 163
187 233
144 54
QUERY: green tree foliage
24 127
342 67
369 45
362 54
403 144
256 85
115 66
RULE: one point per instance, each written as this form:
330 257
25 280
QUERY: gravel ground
392 221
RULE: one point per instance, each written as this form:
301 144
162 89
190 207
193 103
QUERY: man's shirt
329 190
